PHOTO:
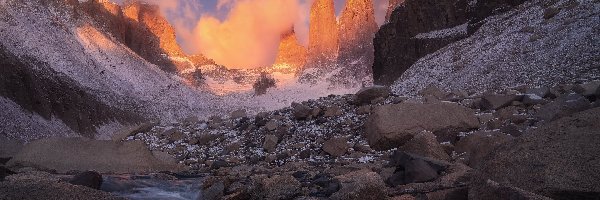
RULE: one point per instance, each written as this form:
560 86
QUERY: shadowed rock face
37 88
323 34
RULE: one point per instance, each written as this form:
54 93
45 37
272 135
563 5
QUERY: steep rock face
398 45
150 35
323 34
290 52
357 28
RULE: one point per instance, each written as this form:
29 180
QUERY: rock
301 112
589 90
323 36
290 51
495 102
391 126
425 144
37 185
261 119
411 168
366 95
432 91
280 187
397 48
270 143
480 144
125 132
217 164
69 154
356 28
271 125
495 191
511 129
540 92
89 179
238 114
557 159
327 185
203 139
333 111
336 147
532 99
563 106
359 185
8 149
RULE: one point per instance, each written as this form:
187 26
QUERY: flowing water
149 187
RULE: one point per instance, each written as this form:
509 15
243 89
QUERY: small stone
336 146
301 112
333 111
271 125
238 114
364 110
217 164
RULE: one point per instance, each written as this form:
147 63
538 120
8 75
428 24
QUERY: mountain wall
323 39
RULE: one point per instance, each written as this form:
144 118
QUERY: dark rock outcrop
89 179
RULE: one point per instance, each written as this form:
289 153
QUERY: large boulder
558 160
89 179
368 94
358 185
79 154
425 144
391 126
8 148
412 168
490 190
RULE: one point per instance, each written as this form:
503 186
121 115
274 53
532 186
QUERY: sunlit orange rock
290 51
323 34
357 28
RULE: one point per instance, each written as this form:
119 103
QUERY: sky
242 33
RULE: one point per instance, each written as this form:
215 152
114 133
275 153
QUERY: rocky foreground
523 143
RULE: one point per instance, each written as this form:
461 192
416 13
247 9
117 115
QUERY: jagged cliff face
323 34
357 28
290 51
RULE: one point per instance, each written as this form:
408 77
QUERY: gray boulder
497 101
478 145
366 95
391 126
359 185
563 106
425 144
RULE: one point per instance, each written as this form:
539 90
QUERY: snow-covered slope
527 45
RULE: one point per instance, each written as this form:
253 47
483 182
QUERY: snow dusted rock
301 111
425 144
238 114
359 185
270 143
511 49
539 91
278 187
532 99
368 94
589 90
391 126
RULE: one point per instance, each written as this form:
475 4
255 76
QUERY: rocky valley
443 100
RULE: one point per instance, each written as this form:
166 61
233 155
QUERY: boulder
125 132
434 92
478 145
4 172
460 193
563 106
270 143
89 179
412 168
540 92
588 90
425 144
391 126
279 187
557 160
533 99
366 95
79 154
497 101
301 112
238 114
8 148
336 147
333 111
359 185
271 125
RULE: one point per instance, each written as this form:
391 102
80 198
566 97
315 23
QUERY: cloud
249 36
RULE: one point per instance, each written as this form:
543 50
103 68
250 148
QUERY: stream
148 187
